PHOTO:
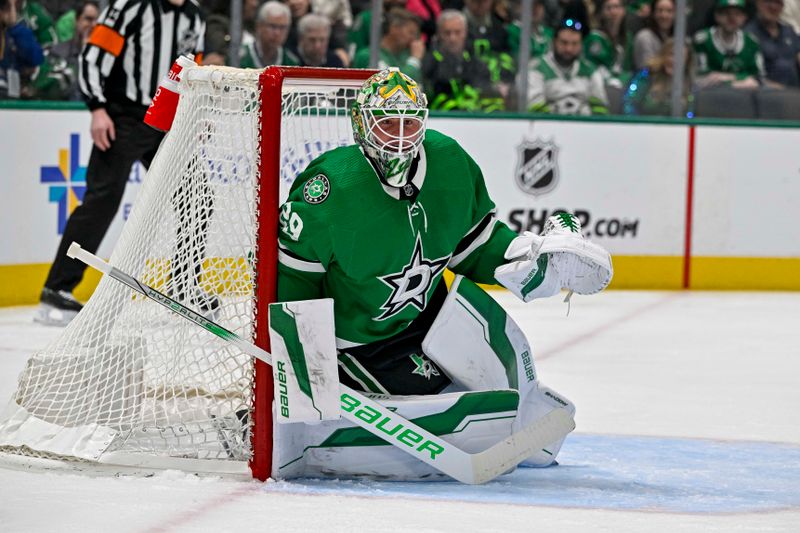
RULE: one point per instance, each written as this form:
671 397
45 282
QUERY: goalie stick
470 468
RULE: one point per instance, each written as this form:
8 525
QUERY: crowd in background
587 56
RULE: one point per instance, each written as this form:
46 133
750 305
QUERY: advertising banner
44 155
626 182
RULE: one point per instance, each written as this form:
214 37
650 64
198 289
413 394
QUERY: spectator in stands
65 26
337 11
20 53
780 45
557 11
727 55
610 46
487 33
657 29
650 90
541 35
563 83
485 29
218 30
358 37
313 34
428 12
636 14
340 15
401 45
36 17
454 78
272 29
299 9
57 79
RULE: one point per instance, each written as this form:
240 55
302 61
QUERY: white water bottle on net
130 384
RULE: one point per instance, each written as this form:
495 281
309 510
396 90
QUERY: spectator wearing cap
779 43
562 82
726 54
313 36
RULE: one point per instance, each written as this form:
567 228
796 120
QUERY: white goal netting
129 381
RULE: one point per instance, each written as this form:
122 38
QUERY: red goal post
273 82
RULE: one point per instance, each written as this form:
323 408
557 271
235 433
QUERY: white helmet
389 118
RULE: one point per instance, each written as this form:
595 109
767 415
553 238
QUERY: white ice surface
688 420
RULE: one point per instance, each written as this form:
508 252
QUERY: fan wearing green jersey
373 226
726 54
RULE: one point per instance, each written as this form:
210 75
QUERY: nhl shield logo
537 166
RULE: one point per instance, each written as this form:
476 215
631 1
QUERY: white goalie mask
389 117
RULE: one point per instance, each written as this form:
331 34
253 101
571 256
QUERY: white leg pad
537 404
472 421
476 343
479 347
305 368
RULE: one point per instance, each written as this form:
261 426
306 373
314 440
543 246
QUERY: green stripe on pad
283 322
469 404
495 317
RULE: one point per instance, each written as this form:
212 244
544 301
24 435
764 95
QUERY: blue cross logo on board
67 181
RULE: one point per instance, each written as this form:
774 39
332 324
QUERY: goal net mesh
129 377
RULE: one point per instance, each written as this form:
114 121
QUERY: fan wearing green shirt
610 45
726 54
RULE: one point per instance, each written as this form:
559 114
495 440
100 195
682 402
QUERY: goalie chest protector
378 252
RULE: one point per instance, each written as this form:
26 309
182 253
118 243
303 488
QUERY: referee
128 53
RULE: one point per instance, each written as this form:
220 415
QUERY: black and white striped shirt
133 47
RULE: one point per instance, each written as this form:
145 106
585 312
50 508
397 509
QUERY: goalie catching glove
541 265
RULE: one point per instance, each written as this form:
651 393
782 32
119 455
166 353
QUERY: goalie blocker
495 393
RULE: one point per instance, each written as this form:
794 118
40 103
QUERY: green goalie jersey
380 252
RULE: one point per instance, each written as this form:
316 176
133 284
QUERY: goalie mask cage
130 384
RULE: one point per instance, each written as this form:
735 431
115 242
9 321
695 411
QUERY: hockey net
130 383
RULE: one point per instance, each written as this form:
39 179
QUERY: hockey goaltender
372 227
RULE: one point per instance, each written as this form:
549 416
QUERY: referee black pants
106 178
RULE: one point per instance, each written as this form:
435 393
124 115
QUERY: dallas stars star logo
410 285
397 82
424 366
